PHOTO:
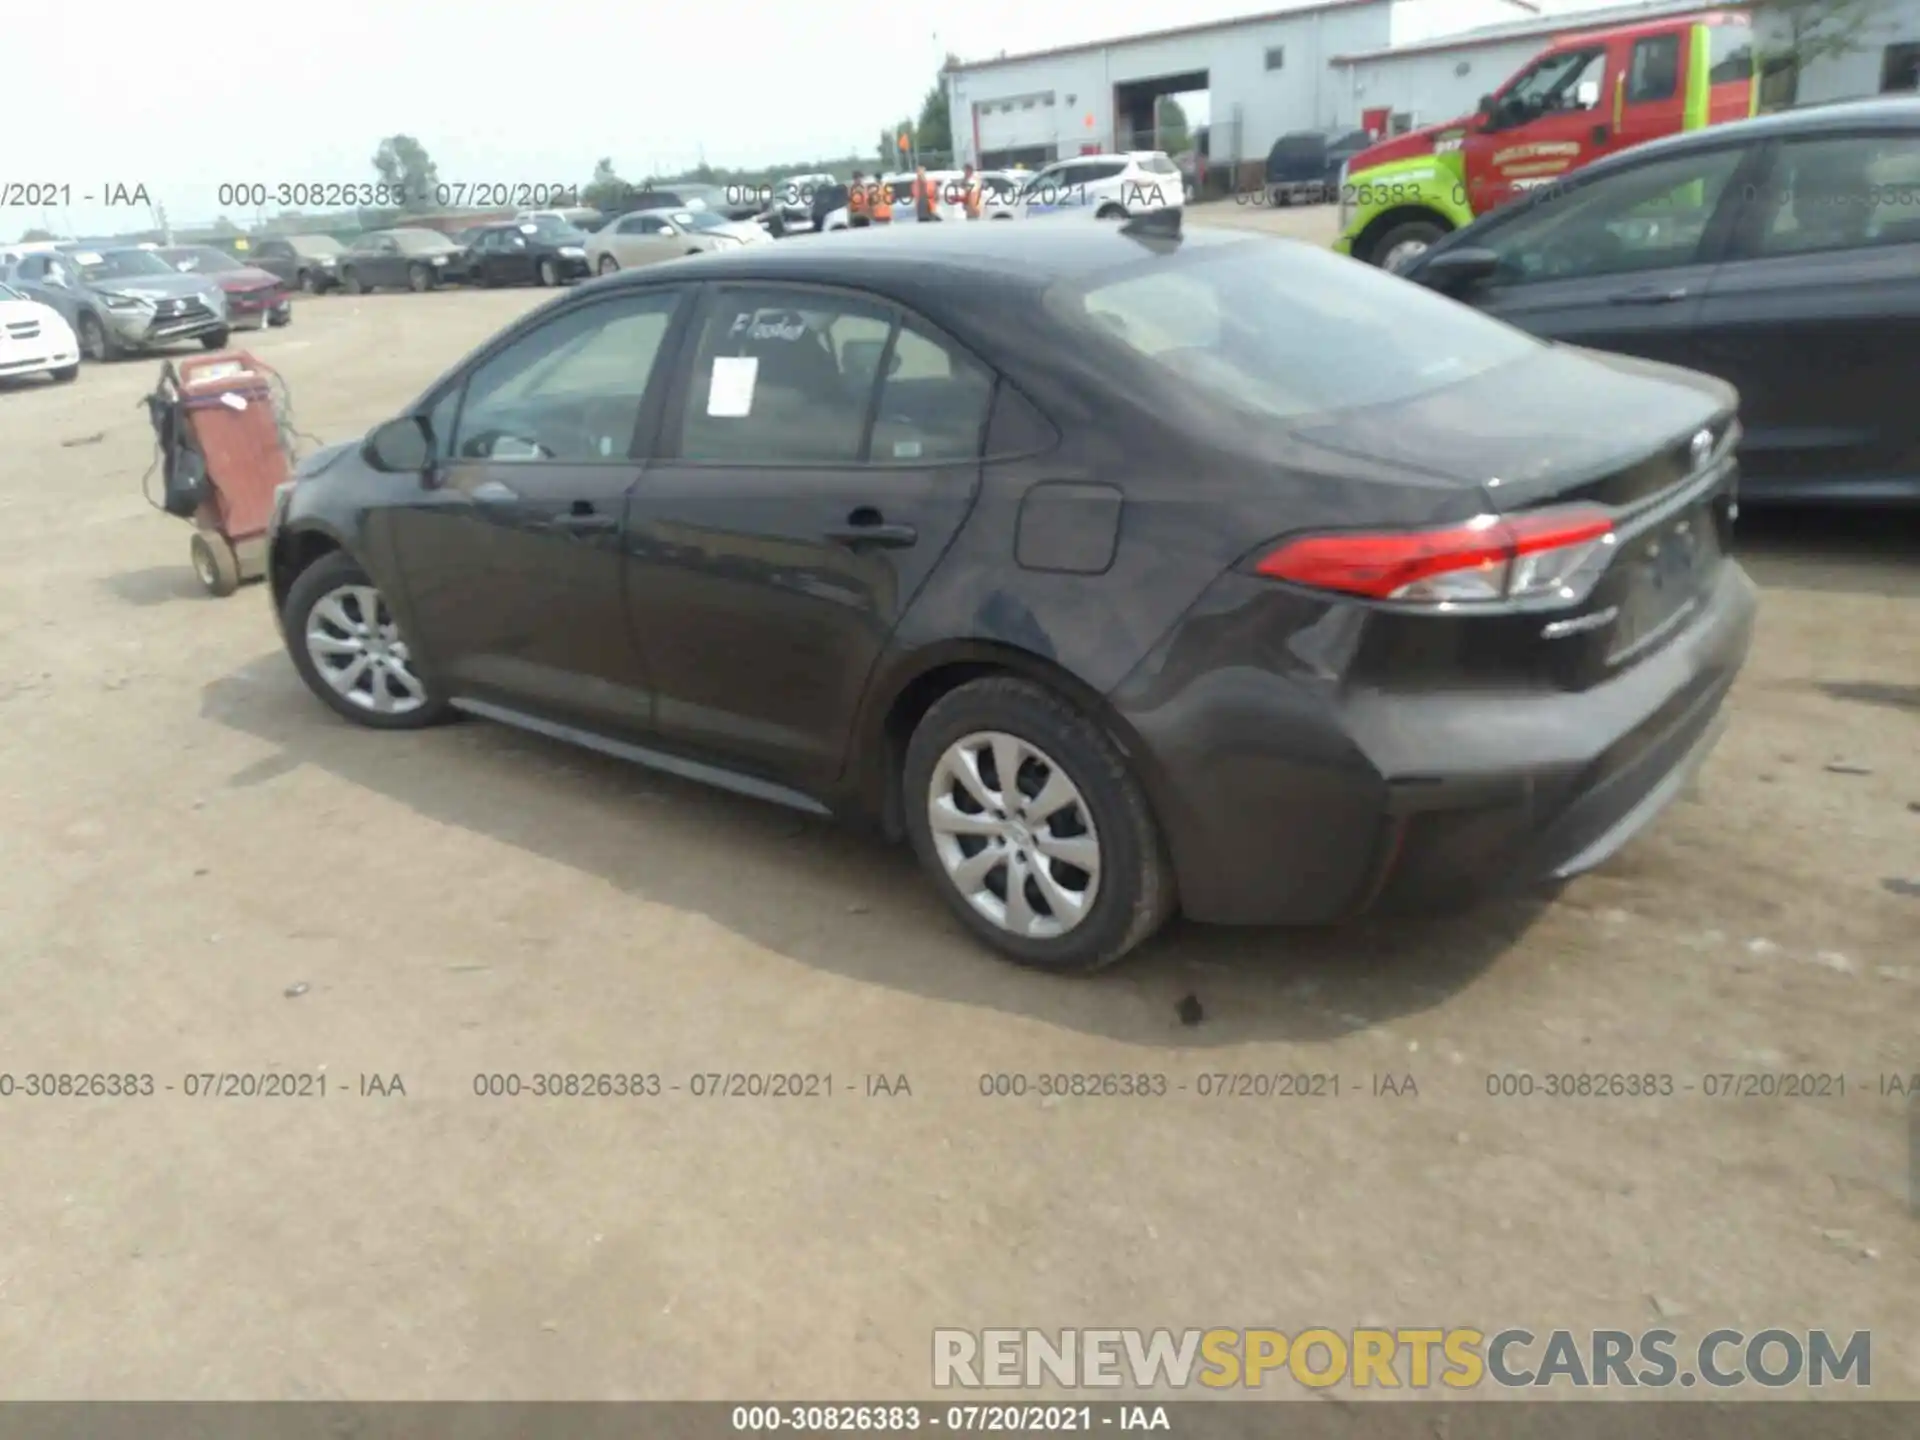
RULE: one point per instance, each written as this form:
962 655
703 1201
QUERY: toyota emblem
1700 449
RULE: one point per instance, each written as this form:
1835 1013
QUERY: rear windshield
1284 330
1729 52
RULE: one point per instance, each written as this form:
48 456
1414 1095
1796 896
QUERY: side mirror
400 447
1486 105
1454 271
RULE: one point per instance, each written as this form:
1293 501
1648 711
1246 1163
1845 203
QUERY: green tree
1170 124
403 162
606 188
934 134
1793 34
36 235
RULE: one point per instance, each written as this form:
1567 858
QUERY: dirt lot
190 837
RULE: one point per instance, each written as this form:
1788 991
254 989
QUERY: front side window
784 378
569 391
1564 81
1650 217
1653 72
1286 331
1842 193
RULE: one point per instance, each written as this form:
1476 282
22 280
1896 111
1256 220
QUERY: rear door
1621 262
1649 92
819 457
1816 317
512 555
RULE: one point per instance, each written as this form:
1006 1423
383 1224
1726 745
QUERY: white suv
1106 187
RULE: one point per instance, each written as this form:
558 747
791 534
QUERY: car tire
419 279
549 274
65 374
95 343
282 319
350 283
307 281
215 562
1407 238
1058 747
608 265
216 339
326 617
1110 212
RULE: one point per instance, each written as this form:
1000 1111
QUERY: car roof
926 259
1878 112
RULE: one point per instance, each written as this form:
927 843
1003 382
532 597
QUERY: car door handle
1649 295
1600 134
866 526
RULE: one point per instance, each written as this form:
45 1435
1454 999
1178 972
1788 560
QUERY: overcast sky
497 90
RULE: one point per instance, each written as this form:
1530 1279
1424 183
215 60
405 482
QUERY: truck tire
1402 242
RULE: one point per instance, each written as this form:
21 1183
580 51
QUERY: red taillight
1536 555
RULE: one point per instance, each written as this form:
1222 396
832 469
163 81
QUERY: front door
1550 119
1816 318
1620 264
512 557
822 456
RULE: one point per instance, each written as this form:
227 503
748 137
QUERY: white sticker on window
731 394
233 401
906 449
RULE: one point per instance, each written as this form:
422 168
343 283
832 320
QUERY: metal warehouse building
1332 64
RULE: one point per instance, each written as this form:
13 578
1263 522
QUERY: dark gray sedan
1116 571
407 258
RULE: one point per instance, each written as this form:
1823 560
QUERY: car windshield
120 264
1283 330
697 219
201 260
317 245
7 292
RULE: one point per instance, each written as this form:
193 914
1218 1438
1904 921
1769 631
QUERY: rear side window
1288 331
1160 165
1729 52
933 403
784 378
1653 72
1844 193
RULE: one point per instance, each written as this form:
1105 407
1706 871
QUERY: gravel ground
206 872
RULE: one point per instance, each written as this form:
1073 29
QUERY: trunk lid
1566 424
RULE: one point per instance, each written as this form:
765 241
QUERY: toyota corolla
1117 571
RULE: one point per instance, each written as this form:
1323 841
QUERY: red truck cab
1586 95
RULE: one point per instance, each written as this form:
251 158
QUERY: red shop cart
223 449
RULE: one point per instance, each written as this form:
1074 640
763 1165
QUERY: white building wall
1250 106
1432 86
1843 77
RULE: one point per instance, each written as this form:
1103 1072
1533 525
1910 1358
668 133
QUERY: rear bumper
1287 800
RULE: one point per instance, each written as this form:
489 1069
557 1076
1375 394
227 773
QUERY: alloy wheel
1014 834
356 648
1400 254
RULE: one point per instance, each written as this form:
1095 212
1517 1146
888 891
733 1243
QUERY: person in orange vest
970 193
880 203
857 198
